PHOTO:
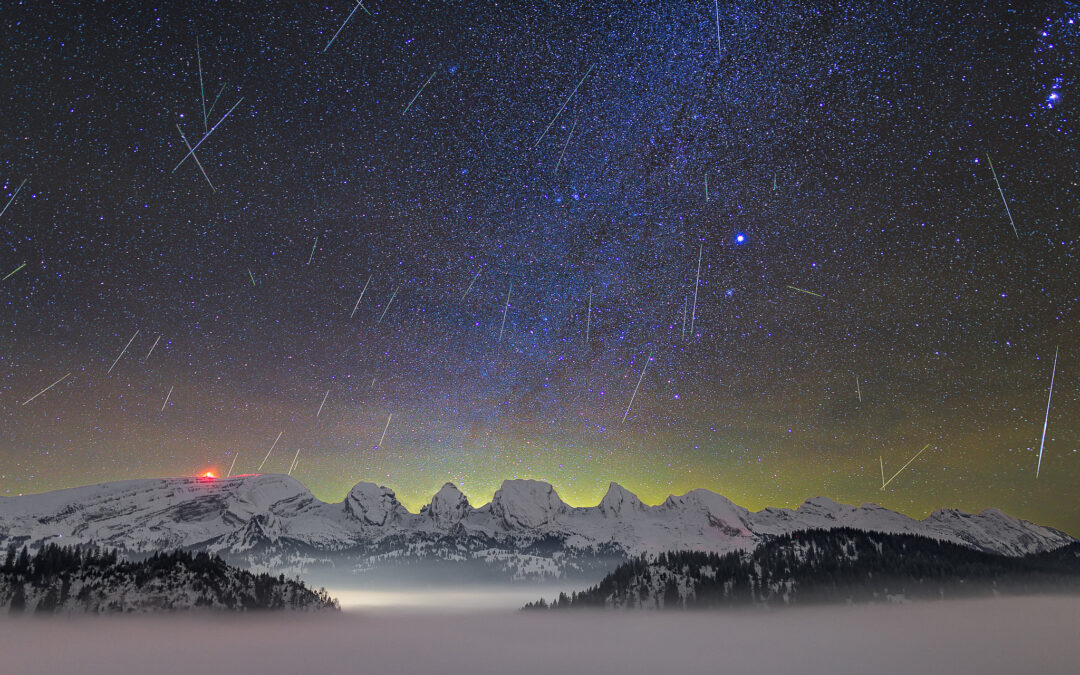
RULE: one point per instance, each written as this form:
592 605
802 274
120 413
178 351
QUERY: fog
1014 635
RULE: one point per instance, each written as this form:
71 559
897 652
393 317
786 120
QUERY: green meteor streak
803 290
252 276
13 271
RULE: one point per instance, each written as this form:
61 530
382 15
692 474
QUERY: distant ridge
271 522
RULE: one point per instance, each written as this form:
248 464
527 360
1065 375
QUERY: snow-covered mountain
273 523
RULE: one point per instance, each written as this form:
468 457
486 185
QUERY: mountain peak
447 507
618 499
523 504
373 504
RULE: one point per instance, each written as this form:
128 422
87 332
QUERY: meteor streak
295 458
1002 192
13 197
361 296
505 310
387 308
564 105
903 467
192 150
270 450
1046 420
231 466
418 94
383 437
122 352
358 6
13 272
803 290
634 395
323 403
152 347
166 399
472 282
697 282
46 389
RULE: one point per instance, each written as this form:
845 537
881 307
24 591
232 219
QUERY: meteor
295 458
152 347
1002 193
233 465
122 352
697 282
323 403
472 282
9 274
387 308
13 197
167 399
1047 418
803 290
903 467
582 81
361 296
505 310
418 93
358 6
632 396
383 437
270 450
567 144
46 389
192 150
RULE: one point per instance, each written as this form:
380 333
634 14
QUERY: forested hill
814 566
72 580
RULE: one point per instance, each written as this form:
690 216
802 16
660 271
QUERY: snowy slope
272 522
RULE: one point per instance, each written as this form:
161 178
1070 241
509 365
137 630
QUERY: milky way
518 194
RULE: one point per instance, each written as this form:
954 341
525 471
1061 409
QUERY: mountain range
272 523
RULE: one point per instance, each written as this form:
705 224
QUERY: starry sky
472 230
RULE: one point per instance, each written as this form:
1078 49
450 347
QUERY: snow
241 514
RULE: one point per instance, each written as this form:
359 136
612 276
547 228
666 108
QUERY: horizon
414 507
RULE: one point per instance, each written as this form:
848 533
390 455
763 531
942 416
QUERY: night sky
830 166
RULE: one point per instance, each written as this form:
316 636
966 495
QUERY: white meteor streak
295 458
122 352
505 310
270 450
167 399
858 389
312 256
1047 419
361 297
192 150
634 395
233 465
1002 192
46 389
566 145
472 282
697 282
718 51
152 347
582 81
418 93
13 197
383 437
358 5
903 467
387 308
323 403
196 158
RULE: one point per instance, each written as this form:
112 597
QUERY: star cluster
485 228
